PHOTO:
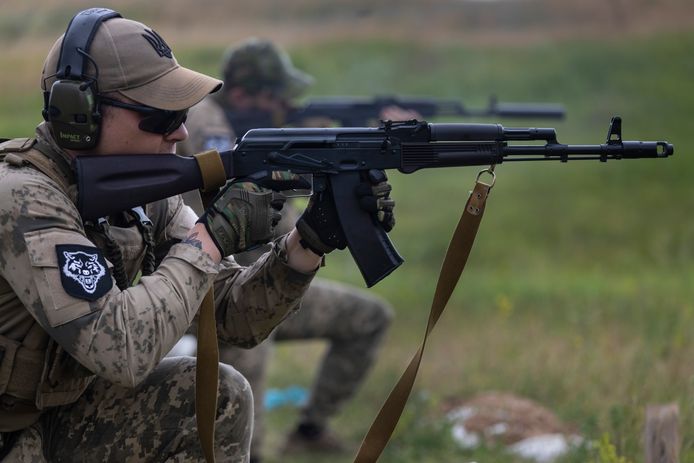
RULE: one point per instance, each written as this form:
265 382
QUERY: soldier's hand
244 214
396 113
319 225
374 197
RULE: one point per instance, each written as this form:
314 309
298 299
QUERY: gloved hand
244 214
319 225
374 197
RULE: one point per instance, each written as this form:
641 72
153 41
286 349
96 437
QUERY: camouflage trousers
352 321
154 422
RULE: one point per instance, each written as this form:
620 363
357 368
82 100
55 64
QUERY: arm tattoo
193 240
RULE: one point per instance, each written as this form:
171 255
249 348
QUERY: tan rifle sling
453 264
207 376
207 366
207 371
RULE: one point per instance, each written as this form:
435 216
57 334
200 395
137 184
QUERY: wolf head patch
84 273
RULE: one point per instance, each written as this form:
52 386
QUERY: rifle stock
338 157
110 184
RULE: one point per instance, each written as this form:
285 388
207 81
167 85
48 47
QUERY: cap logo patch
157 43
83 271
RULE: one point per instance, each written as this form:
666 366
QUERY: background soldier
259 85
83 375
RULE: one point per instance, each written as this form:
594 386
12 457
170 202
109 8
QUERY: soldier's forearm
200 238
256 299
300 258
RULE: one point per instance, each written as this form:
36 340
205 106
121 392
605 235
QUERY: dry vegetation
299 21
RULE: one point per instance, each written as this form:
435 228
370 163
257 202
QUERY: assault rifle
337 158
359 111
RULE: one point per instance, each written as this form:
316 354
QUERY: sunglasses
159 121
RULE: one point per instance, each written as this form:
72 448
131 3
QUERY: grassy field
579 292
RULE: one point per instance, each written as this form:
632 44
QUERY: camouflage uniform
352 321
85 380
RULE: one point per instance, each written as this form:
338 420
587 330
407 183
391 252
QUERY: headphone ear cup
73 115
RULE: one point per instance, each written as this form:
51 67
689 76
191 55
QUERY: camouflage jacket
77 328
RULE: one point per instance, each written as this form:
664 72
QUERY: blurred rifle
337 158
360 111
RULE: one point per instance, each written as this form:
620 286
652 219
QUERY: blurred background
579 291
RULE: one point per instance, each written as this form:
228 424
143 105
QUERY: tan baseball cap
133 60
258 64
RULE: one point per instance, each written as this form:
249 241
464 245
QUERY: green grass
579 292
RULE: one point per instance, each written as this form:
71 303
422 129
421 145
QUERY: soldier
87 309
259 85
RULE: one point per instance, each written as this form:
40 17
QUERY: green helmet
257 65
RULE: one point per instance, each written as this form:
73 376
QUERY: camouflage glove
244 214
374 197
319 225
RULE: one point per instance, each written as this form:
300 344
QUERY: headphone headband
78 36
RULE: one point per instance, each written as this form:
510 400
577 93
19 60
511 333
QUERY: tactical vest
31 380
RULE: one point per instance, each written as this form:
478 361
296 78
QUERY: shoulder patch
83 271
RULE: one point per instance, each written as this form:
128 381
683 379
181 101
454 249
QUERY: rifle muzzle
647 149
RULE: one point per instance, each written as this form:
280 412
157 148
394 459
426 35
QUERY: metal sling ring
489 170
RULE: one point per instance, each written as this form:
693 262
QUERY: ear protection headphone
72 105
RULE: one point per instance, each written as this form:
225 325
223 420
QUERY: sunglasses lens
163 122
